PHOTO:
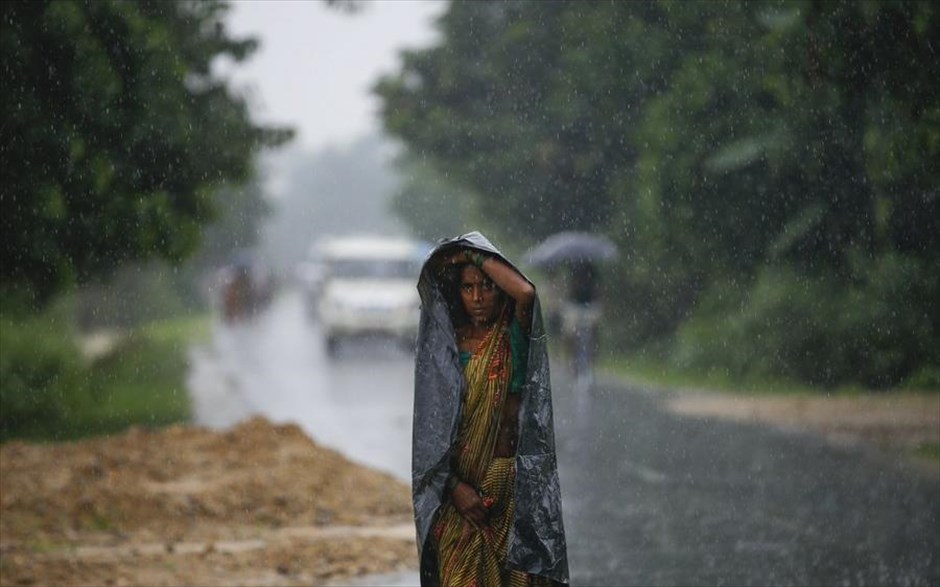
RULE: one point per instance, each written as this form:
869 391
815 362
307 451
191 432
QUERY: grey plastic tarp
537 538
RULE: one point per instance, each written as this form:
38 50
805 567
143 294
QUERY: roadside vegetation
53 387
653 369
929 451
766 169
129 176
656 367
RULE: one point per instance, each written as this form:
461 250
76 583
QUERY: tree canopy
116 135
753 161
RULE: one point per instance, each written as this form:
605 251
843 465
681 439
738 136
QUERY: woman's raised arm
504 276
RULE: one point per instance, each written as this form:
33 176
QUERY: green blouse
519 347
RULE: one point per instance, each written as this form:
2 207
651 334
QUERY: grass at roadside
141 380
929 451
49 391
653 372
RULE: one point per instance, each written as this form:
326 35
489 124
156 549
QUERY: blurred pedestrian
238 294
580 317
485 481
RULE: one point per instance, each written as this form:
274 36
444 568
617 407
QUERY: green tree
778 150
805 161
531 105
116 135
432 206
732 149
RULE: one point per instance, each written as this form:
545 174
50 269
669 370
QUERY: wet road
649 498
276 365
654 499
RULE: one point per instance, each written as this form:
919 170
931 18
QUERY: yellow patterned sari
467 556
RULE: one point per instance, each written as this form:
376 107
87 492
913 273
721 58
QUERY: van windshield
374 269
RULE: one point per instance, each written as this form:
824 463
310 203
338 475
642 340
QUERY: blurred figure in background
580 317
247 288
575 255
238 302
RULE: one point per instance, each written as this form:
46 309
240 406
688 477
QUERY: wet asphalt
649 498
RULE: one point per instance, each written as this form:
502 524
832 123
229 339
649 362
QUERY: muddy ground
258 504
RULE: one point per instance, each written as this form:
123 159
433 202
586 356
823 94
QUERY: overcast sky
316 64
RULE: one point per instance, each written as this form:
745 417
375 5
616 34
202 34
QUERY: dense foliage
51 390
769 169
41 375
115 135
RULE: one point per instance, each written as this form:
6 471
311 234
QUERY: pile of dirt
258 504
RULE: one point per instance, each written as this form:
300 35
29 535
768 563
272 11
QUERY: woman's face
480 296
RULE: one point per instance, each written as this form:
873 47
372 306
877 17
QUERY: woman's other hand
469 504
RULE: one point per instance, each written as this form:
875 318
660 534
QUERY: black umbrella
571 247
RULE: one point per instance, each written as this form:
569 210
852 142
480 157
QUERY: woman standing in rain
484 473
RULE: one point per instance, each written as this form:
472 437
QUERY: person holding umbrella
580 316
579 313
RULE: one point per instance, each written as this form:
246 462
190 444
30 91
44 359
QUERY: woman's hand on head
457 257
445 260
506 278
469 504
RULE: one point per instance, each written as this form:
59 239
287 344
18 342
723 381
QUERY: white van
369 288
